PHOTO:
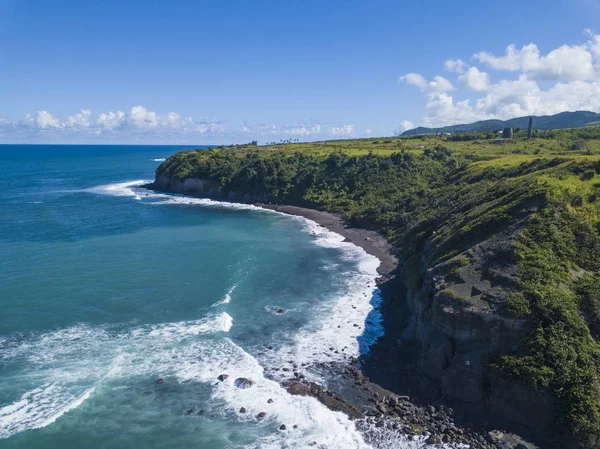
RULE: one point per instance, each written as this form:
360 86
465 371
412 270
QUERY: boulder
242 410
243 383
222 377
261 415
282 427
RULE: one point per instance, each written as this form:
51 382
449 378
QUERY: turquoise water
121 307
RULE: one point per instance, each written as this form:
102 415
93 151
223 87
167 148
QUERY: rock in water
243 383
261 415
242 410
280 310
222 377
282 427
159 381
270 401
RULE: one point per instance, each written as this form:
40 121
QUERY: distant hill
562 120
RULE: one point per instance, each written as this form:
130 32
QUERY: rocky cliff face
446 329
202 187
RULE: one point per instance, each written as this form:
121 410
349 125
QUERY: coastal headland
491 313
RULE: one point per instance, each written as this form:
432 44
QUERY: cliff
495 309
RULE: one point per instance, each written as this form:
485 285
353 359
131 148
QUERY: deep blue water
121 307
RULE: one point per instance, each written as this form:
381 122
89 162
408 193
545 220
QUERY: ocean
120 307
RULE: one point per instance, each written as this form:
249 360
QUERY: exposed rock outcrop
202 187
243 383
451 324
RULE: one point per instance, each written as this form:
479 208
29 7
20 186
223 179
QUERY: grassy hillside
557 121
436 198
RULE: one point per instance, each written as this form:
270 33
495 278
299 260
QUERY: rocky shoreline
408 405
422 416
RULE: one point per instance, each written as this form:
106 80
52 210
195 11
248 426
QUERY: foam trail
38 408
67 365
158 159
350 323
119 189
227 298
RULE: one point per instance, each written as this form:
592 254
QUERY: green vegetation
435 198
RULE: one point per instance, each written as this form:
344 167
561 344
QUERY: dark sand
372 242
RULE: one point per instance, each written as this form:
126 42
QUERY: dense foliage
436 198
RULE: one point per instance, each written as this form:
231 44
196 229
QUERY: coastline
371 241
401 410
385 404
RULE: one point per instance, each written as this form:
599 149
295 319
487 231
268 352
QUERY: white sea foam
349 323
158 159
119 189
227 298
70 363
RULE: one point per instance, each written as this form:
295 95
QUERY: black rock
282 427
222 377
242 410
243 383
270 401
261 415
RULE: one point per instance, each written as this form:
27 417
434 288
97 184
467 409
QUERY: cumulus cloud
44 119
256 128
140 124
475 79
566 78
405 125
111 120
301 129
342 131
566 63
455 65
438 84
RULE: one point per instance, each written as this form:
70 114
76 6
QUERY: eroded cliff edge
486 312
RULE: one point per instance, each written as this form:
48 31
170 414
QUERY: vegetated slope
557 121
500 250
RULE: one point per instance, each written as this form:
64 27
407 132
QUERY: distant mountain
562 120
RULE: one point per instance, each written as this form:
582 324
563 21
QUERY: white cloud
258 128
301 129
79 120
566 63
594 44
474 79
141 124
404 126
525 59
416 79
455 65
438 84
110 120
46 120
342 131
566 78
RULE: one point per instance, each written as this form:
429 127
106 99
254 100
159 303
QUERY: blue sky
233 71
